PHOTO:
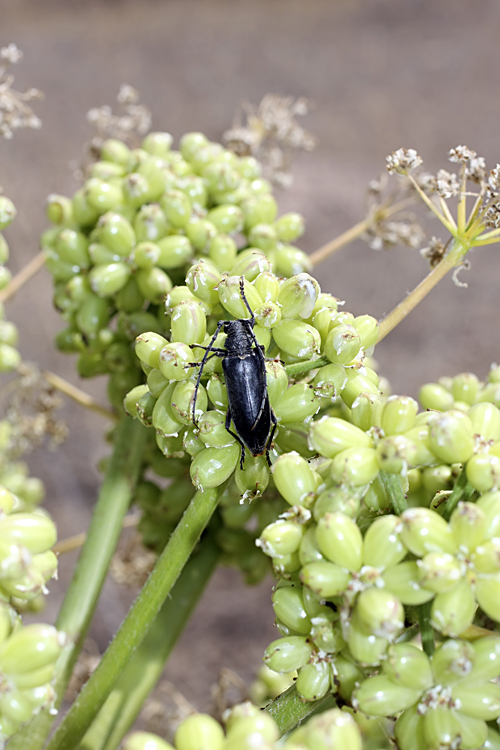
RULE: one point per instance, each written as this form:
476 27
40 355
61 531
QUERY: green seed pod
326 635
398 415
176 295
145 408
30 648
298 402
217 392
442 728
409 730
133 397
380 612
173 359
289 227
356 384
435 396
72 248
148 347
368 329
397 453
59 209
329 381
34 531
150 223
211 467
194 187
156 383
439 572
325 579
107 280
298 296
294 479
137 189
231 299
259 210
200 233
425 531
250 169
287 654
453 660
468 525
482 703
177 208
115 231
290 260
366 648
267 285
437 478
340 540
203 279
313 681
263 237
189 324
101 195
277 380
116 151
145 741
7 211
212 430
7 503
336 499
465 387
182 401
284 567
223 251
226 218
9 358
486 557
309 551
334 729
330 436
15 706
268 315
483 471
408 666
158 144
281 538
486 663
83 213
4 250
356 466
380 696
452 612
191 143
451 437
176 250
342 344
382 545
299 340
403 581
253 479
366 411
490 505
488 595
165 422
288 606
485 419
199 732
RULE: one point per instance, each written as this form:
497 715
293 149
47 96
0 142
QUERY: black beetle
244 367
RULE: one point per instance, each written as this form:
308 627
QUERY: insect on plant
244 367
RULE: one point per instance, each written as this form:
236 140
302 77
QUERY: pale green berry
368 649
483 471
145 741
451 437
366 411
281 538
133 397
342 344
294 479
488 595
435 396
290 260
465 387
380 696
380 612
468 525
268 315
150 224
403 581
340 540
289 227
256 729
356 466
200 233
35 531
288 606
453 611
267 285
398 415
173 361
440 572
7 211
183 401
148 347
253 479
223 251
356 384
259 210
313 681
309 550
298 296
217 391
329 381
396 453
325 579
199 732
382 545
107 280
212 430
330 436
409 666
116 232
368 329
211 467
101 195
30 648
409 730
226 218
287 654
189 323
163 419
485 419
231 298
203 279
424 531
175 251
296 403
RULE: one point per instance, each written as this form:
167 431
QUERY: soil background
382 74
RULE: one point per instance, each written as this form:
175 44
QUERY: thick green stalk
138 621
394 492
300 368
144 669
81 598
288 709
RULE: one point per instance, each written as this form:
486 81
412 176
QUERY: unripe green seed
253 479
84 214
408 666
145 741
289 227
331 730
290 260
380 612
488 595
342 344
439 572
175 251
397 453
356 384
483 471
468 525
109 279
217 391
9 358
165 422
176 295
324 578
173 359
199 732
252 731
30 648
183 401
298 402
380 696
116 232
366 411
403 581
133 397
368 329
4 249
330 436
213 466
451 437
267 285
200 233
329 381
281 538
298 296
485 419
435 396
177 208
203 279
101 195
212 430
367 649
7 211
148 347
226 218
309 550
287 654
223 251
230 296
150 223
72 247
294 479
452 612
340 540
263 237
189 324
382 546
465 387
288 606
313 681
398 415
35 531
268 315
356 466
259 210
425 531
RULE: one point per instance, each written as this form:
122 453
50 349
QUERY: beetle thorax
239 339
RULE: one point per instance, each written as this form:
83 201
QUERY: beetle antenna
243 297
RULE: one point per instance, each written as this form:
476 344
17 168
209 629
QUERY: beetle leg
202 365
236 437
270 441
243 297
215 353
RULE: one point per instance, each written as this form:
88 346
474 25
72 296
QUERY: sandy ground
382 74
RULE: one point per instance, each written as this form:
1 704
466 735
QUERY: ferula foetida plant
378 515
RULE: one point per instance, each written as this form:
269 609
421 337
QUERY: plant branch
462 491
83 593
302 367
24 275
138 621
288 709
76 394
405 307
146 665
394 492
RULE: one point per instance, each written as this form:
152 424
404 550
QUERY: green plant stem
144 669
394 492
138 621
451 260
462 491
288 709
426 632
82 595
301 367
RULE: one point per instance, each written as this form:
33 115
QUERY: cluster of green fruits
9 356
248 727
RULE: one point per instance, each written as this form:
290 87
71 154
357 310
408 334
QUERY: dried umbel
15 111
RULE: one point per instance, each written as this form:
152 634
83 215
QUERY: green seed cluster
141 219
443 701
246 726
27 659
9 356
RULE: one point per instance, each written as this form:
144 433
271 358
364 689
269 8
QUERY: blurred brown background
382 74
